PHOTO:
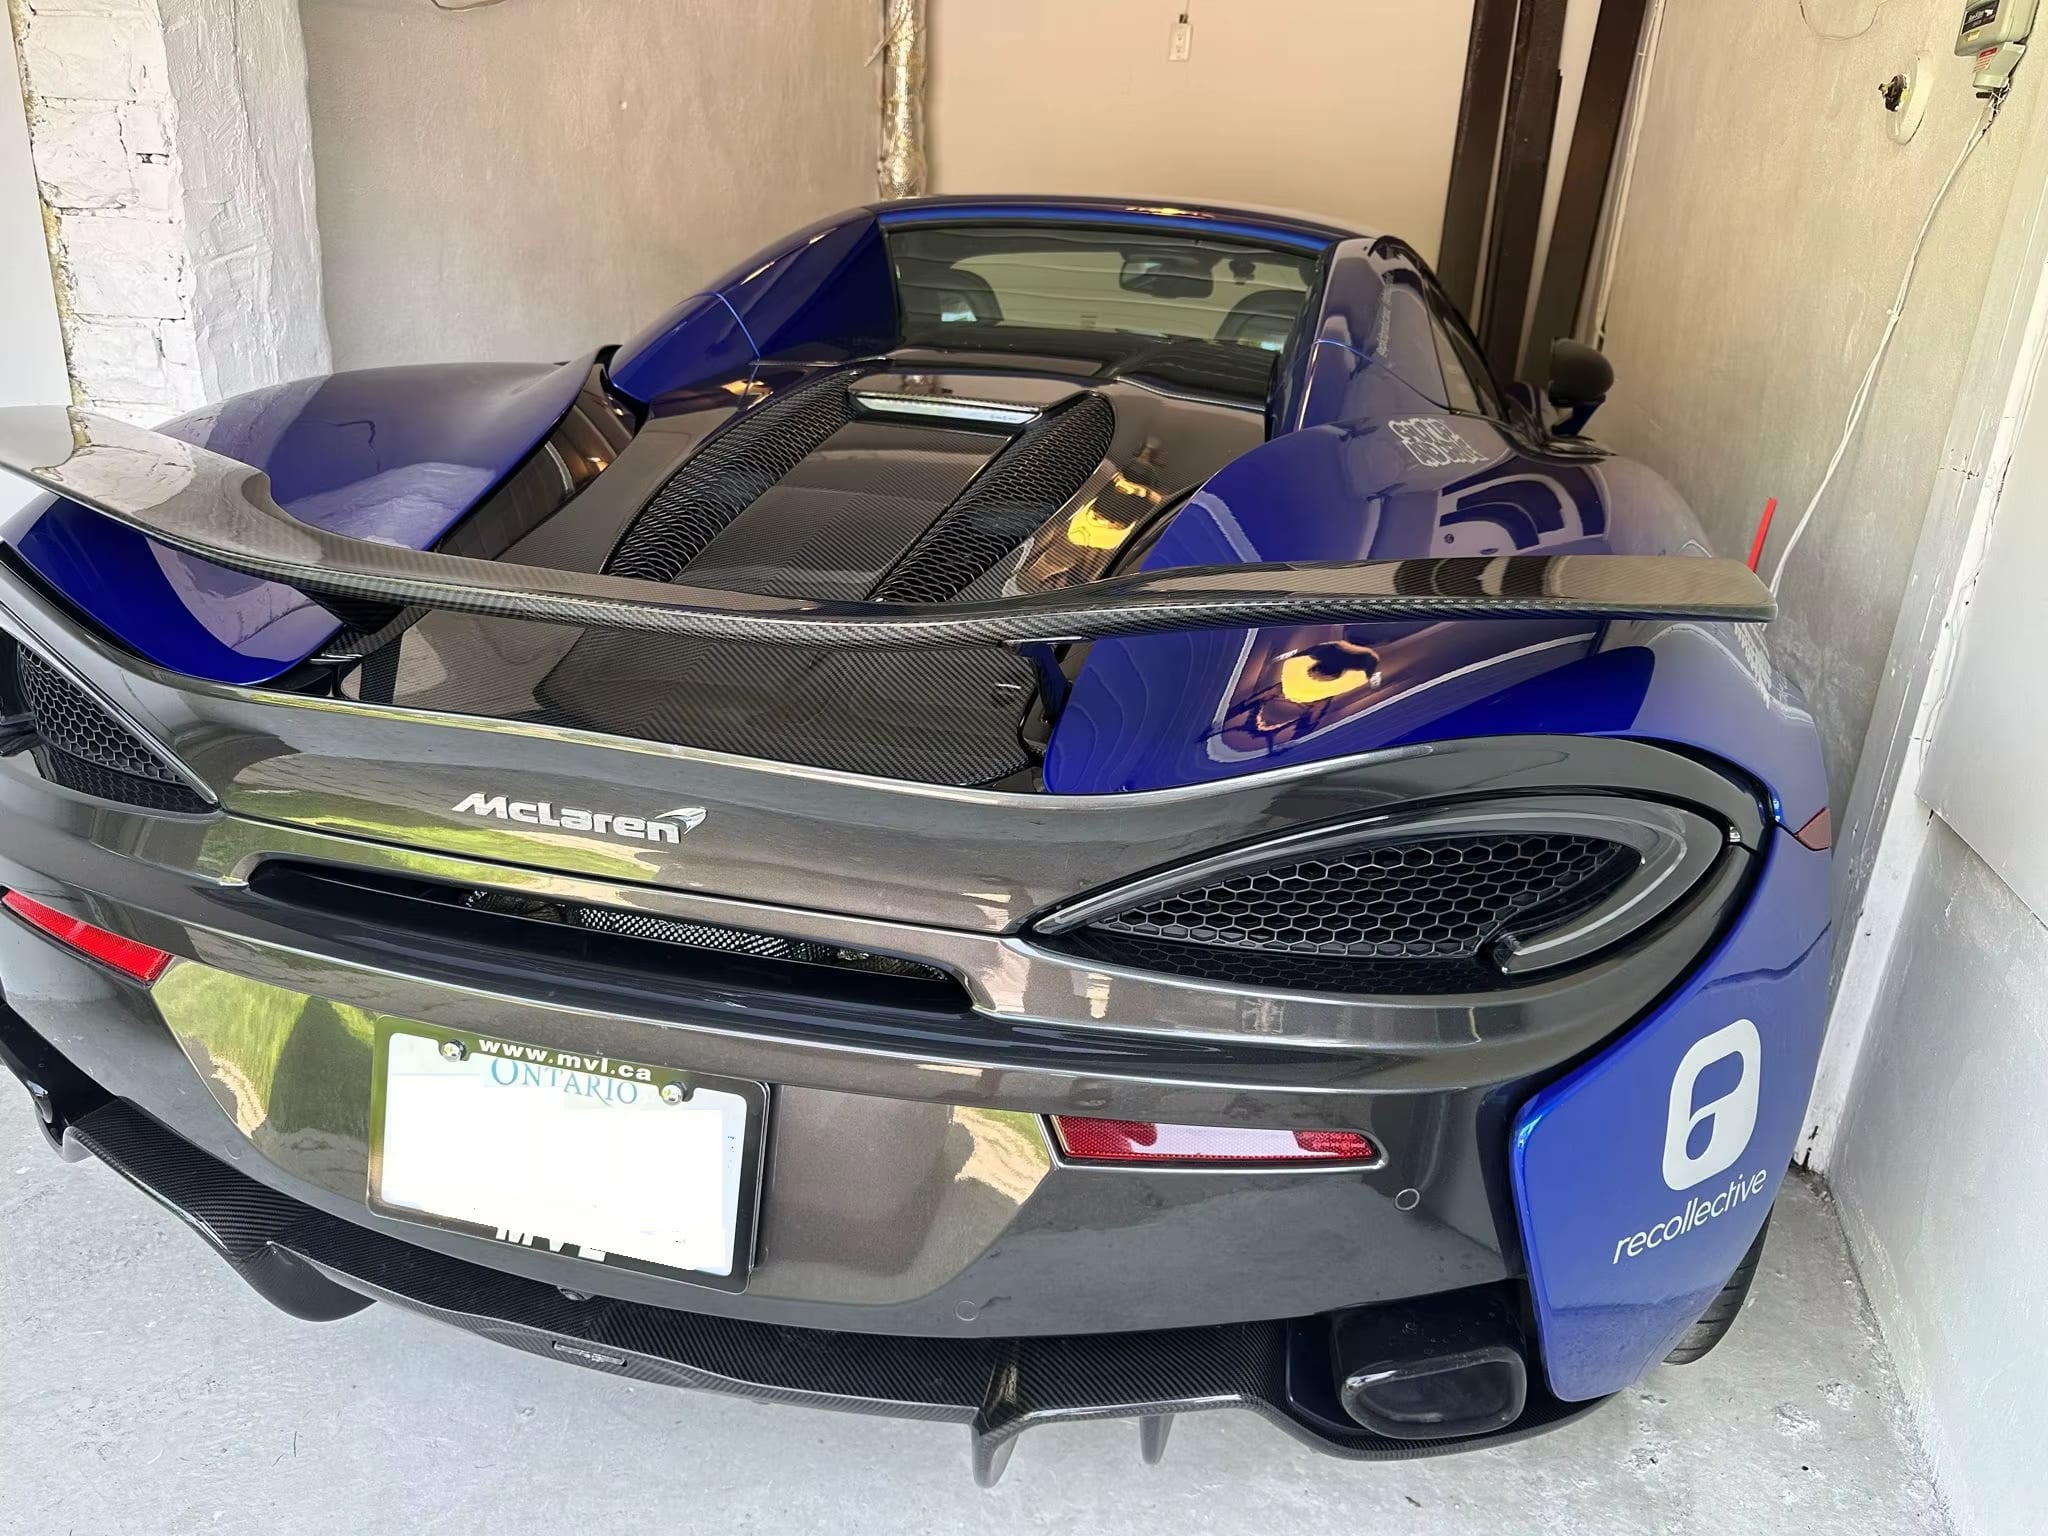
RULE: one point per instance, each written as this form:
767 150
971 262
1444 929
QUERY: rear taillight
1142 1141
127 956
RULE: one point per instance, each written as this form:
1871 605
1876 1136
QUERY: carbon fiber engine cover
799 497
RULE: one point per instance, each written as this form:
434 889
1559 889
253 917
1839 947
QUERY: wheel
1724 1308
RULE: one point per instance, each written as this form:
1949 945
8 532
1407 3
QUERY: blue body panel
1641 1178
826 290
395 454
1373 464
1186 708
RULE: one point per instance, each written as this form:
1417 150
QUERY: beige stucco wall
1340 107
1767 225
534 179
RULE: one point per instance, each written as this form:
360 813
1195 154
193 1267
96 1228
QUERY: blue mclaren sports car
1024 809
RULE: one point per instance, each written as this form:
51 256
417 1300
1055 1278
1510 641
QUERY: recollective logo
668 827
1729 1120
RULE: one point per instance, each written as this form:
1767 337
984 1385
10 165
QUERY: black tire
1722 1311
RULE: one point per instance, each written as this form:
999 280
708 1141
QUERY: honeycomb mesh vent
86 749
1423 899
727 475
706 936
1006 504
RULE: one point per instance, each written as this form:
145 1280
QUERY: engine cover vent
1004 506
728 475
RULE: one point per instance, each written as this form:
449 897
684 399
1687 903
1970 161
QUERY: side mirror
1580 377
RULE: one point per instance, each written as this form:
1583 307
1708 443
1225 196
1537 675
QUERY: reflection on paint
291 1071
1328 671
1080 546
1009 1153
1089 529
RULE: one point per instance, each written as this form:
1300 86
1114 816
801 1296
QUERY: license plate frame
754 1099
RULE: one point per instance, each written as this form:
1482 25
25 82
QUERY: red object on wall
1763 531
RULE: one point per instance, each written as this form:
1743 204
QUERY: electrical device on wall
1905 97
1996 32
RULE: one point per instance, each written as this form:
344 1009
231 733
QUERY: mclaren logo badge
668 827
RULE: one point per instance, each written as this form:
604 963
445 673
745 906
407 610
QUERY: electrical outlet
1905 97
1181 43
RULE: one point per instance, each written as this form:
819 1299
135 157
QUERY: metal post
901 169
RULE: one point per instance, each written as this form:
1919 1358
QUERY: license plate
616 1162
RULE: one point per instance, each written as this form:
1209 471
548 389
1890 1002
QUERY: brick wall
174 290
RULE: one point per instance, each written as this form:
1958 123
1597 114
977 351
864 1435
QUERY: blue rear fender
394 454
1165 710
1641 1178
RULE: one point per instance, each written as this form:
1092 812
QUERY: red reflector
1140 1141
124 955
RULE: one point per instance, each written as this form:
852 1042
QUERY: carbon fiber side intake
85 748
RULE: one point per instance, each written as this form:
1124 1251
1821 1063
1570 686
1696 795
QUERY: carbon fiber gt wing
222 511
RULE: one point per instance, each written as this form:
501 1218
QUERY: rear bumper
942 1215
1213 1247
321 1267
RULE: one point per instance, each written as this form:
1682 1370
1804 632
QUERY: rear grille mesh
1416 915
86 749
1007 503
727 475
1441 898
1282 971
694 935
123 788
69 720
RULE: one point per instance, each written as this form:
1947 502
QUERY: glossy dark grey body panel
906 1192
832 855
321 1268
882 1215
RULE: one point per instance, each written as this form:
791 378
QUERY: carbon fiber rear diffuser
319 1267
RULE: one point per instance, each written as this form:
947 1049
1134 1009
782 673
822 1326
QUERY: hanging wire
1884 341
1841 37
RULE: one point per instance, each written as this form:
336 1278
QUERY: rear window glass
956 285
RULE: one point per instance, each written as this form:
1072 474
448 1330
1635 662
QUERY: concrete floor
144 1390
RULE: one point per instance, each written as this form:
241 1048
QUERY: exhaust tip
1439 1368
